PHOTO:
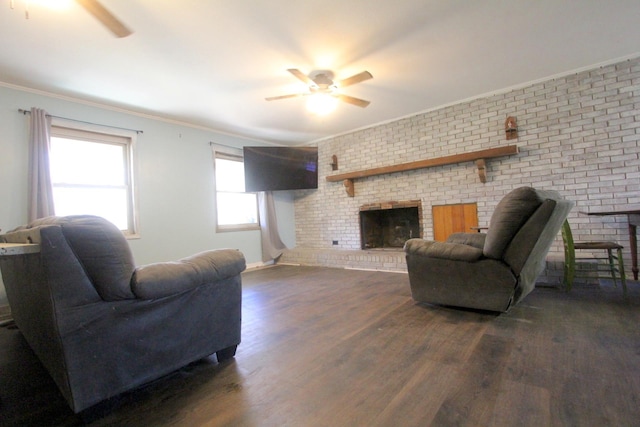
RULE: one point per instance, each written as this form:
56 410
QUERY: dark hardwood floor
331 347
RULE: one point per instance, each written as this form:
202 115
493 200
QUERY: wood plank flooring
332 347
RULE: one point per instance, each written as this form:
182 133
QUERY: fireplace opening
389 225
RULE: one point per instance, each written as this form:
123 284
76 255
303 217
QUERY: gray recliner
100 325
491 271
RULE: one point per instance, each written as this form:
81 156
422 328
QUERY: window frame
88 132
231 154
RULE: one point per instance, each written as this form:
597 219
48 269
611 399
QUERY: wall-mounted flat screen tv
280 168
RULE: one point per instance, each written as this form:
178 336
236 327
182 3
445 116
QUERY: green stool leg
623 277
569 256
612 267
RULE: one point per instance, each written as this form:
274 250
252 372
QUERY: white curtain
40 191
272 246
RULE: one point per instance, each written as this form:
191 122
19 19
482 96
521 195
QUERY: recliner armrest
472 239
443 250
168 278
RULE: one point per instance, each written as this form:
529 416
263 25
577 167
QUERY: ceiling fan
113 24
101 13
322 82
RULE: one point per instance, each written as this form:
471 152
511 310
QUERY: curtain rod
25 112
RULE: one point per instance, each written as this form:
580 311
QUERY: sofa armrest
168 278
472 239
442 250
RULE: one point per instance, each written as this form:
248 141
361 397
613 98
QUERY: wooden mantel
478 156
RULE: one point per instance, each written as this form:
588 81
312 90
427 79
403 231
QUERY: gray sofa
100 325
491 271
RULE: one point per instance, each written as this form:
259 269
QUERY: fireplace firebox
390 224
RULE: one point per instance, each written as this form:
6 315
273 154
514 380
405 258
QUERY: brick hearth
386 260
375 259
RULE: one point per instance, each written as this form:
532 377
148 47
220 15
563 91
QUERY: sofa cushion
163 279
442 250
511 213
472 239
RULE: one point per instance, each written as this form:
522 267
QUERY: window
92 173
236 210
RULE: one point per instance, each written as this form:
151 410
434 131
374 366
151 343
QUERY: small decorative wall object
511 128
334 162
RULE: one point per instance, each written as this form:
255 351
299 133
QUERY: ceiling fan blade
112 23
301 76
360 77
275 98
353 101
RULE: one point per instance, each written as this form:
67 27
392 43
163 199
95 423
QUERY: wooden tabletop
622 210
8 249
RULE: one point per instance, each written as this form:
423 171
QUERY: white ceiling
211 63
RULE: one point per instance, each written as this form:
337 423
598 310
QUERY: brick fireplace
388 225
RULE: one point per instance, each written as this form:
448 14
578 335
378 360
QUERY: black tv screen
280 168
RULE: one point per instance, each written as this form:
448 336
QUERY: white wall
174 179
579 135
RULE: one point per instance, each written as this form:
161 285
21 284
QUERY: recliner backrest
105 254
511 213
521 246
98 244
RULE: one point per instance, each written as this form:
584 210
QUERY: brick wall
577 134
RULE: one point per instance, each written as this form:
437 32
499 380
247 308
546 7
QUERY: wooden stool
571 264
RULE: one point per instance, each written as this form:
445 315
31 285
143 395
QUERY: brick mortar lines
578 135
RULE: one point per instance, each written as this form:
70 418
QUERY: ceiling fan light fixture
321 103
322 92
